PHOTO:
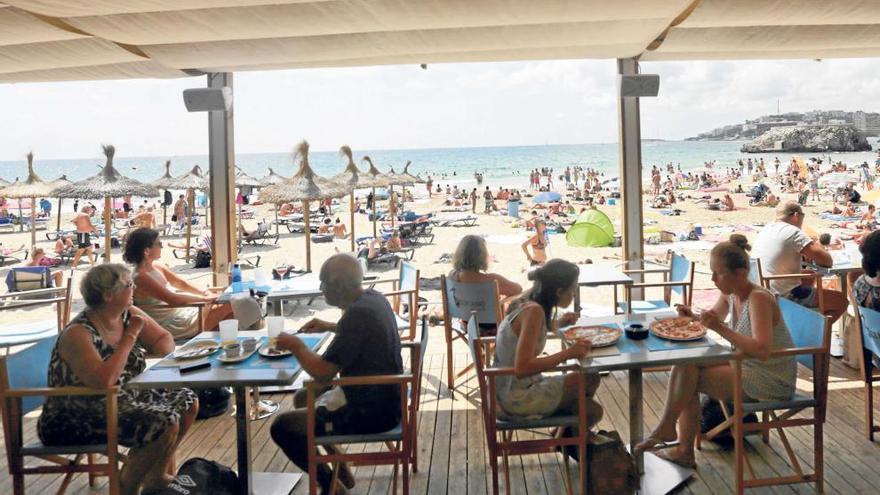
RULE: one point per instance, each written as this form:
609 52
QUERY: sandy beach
504 236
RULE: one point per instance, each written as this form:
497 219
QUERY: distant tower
777 106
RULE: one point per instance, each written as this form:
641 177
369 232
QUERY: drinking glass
275 325
281 270
229 331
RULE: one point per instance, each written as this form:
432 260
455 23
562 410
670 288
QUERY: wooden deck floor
452 453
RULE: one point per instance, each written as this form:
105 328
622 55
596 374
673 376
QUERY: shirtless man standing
145 219
84 229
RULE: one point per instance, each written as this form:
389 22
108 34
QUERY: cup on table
229 331
249 344
261 276
232 350
274 327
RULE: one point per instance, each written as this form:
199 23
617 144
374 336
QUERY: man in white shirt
781 245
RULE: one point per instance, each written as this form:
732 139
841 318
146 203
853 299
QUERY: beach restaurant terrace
76 40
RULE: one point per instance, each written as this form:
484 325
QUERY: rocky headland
809 139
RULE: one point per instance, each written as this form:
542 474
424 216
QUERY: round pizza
680 328
598 335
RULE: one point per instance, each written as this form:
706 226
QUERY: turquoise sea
508 165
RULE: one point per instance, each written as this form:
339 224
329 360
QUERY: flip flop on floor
652 444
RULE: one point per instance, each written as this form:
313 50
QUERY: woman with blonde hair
471 262
756 328
104 346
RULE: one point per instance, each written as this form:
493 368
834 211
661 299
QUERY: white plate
264 351
241 357
197 349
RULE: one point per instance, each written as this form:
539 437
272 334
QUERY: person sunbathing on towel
375 248
286 209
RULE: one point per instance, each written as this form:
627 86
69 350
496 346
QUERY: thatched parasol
374 179
190 181
165 183
304 186
395 179
61 181
353 178
108 184
272 178
32 187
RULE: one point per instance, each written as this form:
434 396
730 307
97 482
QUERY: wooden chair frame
397 293
452 333
17 452
400 447
667 284
781 415
500 441
867 371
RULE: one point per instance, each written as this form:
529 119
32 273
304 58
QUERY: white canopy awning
50 40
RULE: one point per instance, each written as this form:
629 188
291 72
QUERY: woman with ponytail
521 338
756 328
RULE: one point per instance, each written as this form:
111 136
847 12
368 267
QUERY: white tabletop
602 274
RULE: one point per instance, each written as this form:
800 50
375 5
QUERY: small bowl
249 344
232 350
636 331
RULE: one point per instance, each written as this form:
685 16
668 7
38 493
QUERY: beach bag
612 470
212 402
203 260
713 415
199 476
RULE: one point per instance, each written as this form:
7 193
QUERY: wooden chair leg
493 464
113 473
335 479
569 489
765 434
18 484
449 371
869 410
90 459
819 456
505 436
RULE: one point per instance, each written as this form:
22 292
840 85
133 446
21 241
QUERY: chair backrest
807 328
756 274
869 328
679 271
460 299
363 262
21 278
409 277
28 368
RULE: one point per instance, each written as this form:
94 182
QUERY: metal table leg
636 424
243 439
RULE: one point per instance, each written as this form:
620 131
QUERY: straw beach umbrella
374 179
165 183
268 180
108 184
352 177
61 181
304 186
395 179
32 187
190 181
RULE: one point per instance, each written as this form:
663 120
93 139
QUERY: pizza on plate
678 328
598 335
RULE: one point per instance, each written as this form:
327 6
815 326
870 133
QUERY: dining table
658 476
599 275
255 371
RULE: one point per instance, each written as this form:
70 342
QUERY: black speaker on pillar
638 85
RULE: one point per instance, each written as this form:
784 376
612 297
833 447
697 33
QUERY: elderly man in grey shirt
781 246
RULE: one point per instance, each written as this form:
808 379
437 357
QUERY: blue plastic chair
505 446
23 387
868 321
678 279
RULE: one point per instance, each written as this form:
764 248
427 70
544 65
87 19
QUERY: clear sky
447 105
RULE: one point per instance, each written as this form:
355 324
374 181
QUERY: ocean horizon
500 165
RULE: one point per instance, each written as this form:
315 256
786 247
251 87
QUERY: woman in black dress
105 346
